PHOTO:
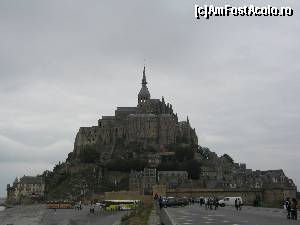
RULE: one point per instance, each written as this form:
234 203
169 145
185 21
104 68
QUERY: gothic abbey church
152 122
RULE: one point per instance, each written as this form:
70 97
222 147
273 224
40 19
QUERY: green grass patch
139 216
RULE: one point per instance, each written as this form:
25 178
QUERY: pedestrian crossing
195 215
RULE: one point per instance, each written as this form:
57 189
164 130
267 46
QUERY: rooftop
125 109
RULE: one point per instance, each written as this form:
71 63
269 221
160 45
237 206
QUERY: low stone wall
276 197
124 195
247 195
270 198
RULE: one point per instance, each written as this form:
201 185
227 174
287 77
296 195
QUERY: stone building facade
143 181
26 188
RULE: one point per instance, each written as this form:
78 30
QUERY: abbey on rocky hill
146 150
152 122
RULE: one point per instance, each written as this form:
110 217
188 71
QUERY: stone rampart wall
270 198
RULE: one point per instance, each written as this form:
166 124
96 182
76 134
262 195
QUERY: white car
100 205
230 201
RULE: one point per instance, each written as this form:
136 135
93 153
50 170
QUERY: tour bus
230 201
60 205
122 205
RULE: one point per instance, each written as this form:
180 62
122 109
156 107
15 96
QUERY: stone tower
144 93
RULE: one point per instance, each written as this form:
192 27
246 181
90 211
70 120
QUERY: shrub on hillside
126 165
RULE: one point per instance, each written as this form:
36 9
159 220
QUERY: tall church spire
144 93
144 81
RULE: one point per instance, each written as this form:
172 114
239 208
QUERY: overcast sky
64 64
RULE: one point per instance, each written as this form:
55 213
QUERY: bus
60 205
121 205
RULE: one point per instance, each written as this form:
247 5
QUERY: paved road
192 215
83 217
39 215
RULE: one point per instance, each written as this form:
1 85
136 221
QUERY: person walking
288 208
236 204
80 206
201 201
211 203
216 203
160 202
239 204
294 209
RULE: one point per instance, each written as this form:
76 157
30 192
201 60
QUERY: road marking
170 218
117 222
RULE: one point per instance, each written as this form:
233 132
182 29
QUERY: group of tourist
291 207
210 203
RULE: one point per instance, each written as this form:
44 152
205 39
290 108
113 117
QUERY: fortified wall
268 198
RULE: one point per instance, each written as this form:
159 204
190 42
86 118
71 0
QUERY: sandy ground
40 215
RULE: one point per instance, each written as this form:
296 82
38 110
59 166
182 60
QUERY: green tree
168 166
184 153
193 167
126 165
228 158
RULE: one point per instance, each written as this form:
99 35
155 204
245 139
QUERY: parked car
183 201
229 201
172 201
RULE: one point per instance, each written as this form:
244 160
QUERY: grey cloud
12 151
